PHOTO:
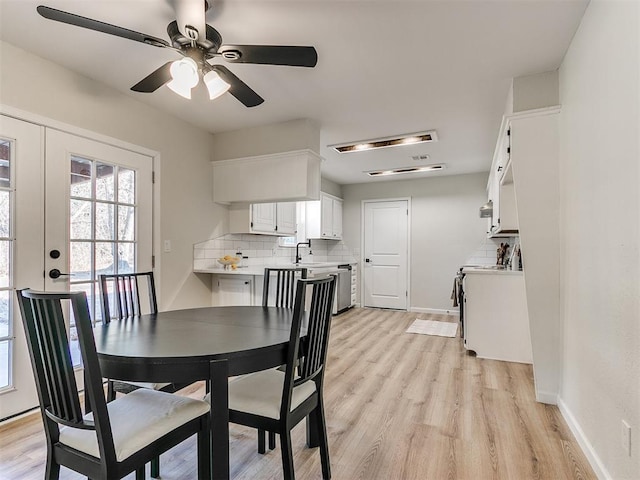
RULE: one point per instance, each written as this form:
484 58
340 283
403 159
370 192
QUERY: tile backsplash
264 249
485 254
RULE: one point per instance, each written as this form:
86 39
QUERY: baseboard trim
547 397
595 462
437 311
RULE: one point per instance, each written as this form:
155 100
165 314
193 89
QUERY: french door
81 208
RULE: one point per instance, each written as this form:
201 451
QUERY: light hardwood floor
398 406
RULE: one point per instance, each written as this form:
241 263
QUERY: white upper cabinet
323 218
286 218
287 176
504 221
263 218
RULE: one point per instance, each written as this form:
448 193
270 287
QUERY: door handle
55 273
367 260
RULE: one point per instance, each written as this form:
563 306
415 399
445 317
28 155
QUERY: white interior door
70 204
21 254
386 254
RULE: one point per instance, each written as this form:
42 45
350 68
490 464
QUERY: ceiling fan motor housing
210 44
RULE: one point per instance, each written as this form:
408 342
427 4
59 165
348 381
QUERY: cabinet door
234 291
337 219
263 217
286 218
326 209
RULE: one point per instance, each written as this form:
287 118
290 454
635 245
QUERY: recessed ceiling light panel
401 170
397 140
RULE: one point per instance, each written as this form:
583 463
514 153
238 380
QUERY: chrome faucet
298 256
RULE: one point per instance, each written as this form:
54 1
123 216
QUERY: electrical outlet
626 437
167 246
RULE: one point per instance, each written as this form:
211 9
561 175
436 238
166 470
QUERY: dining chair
124 292
276 401
118 437
127 291
285 286
282 295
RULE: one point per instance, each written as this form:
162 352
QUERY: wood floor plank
399 406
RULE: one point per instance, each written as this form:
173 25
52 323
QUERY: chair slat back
43 319
51 358
308 359
126 292
285 286
319 320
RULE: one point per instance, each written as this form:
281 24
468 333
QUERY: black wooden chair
276 401
127 290
118 437
285 286
284 282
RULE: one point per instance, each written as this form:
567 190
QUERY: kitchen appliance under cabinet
496 322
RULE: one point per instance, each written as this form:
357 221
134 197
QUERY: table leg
219 370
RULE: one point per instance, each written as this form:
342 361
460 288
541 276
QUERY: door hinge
407 212
153 177
406 293
251 224
508 149
508 132
275 229
153 261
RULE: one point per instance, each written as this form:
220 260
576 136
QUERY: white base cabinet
496 323
231 291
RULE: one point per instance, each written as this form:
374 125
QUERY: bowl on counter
229 262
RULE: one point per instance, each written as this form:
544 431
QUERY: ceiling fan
198 43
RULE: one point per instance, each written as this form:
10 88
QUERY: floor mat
429 327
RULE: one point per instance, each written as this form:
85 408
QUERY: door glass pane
81 177
5 259
5 209
80 260
5 347
5 163
105 254
126 257
126 185
80 222
105 222
105 182
4 313
125 223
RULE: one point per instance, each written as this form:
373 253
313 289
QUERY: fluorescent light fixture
406 139
215 84
184 74
401 170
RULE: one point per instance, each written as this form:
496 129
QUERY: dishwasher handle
345 266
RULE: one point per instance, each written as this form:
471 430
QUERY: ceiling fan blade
238 88
270 55
155 80
84 22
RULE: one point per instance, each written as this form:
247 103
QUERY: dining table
189 345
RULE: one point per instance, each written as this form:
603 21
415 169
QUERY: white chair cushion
137 419
152 386
260 393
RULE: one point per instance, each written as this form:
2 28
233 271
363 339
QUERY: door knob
367 260
55 273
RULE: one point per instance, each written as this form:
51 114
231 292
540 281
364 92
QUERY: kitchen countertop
490 271
259 269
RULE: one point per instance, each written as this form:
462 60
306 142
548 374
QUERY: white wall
445 228
600 216
35 85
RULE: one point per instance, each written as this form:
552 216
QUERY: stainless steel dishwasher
343 289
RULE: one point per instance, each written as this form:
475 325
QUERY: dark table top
177 346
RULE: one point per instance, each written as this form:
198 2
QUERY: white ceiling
384 67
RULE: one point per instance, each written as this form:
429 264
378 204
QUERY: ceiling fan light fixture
184 74
216 86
